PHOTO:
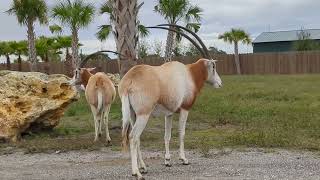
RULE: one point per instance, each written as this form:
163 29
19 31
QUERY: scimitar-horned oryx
100 93
166 89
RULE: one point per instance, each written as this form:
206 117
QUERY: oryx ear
91 69
214 60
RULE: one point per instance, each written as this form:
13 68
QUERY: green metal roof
285 36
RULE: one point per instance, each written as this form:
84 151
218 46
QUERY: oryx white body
100 94
155 90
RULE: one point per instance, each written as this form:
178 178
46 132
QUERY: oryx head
79 71
213 76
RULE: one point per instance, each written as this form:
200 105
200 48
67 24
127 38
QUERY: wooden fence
264 63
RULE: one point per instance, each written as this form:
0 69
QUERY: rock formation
32 101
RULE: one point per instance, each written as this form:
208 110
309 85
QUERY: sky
254 16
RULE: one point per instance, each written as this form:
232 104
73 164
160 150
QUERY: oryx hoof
167 163
143 170
185 162
138 177
109 143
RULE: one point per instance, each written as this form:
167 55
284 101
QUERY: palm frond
143 31
104 32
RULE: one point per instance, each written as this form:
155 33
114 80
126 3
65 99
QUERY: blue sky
254 16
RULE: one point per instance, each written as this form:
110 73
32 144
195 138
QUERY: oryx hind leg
95 119
106 122
167 137
182 129
135 134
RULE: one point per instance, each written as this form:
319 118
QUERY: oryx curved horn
85 60
184 35
191 32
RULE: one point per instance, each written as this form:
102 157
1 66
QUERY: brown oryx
100 93
167 89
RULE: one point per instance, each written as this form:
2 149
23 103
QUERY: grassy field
249 111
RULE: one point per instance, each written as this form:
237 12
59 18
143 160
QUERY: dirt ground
107 164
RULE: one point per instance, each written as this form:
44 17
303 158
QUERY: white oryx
100 93
167 89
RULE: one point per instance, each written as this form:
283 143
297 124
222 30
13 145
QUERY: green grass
249 111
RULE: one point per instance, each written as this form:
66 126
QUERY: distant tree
20 48
179 49
158 48
175 11
305 43
143 50
44 47
214 50
55 29
192 50
64 42
76 14
27 13
235 36
6 50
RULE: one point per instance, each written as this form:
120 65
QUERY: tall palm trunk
75 52
126 32
46 63
236 57
68 63
19 63
8 62
32 46
170 45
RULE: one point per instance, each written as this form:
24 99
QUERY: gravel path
106 164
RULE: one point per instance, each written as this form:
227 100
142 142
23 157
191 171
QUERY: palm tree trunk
8 62
19 62
46 63
125 12
170 43
236 57
75 52
32 46
68 63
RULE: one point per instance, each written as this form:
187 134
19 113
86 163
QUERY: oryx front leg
106 122
135 134
182 129
167 137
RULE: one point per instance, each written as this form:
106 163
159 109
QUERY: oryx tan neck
199 74
85 76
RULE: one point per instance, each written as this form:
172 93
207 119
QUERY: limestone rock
32 101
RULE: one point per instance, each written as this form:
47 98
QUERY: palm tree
235 36
64 42
175 11
6 50
20 48
123 14
55 29
44 46
27 13
76 15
